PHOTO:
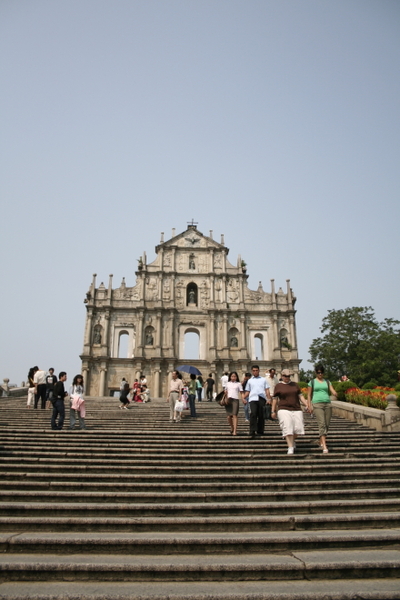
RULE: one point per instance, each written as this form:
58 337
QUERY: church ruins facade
191 287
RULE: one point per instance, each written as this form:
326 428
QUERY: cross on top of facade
192 225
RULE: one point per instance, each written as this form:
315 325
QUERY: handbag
222 399
179 406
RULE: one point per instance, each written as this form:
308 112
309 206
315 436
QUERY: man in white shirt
257 394
39 380
224 380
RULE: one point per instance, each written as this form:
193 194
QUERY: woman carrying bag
319 402
232 390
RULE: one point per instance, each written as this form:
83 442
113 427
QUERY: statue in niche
234 342
284 340
149 339
192 297
97 335
192 265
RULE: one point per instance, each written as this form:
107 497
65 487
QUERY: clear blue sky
275 123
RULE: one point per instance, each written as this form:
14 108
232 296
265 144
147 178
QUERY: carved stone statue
149 339
192 297
234 342
97 336
192 264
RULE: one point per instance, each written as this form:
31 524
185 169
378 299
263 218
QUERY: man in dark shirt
210 386
58 402
51 380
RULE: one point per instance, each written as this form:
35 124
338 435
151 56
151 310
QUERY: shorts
291 422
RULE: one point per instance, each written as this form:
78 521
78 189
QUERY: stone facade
190 287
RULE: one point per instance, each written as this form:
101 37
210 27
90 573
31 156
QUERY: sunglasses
319 373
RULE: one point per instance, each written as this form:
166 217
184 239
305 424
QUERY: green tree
357 345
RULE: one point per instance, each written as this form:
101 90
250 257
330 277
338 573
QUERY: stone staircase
137 507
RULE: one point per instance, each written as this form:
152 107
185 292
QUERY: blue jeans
58 411
246 411
192 399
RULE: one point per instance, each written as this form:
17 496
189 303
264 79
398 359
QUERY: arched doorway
258 347
123 344
191 349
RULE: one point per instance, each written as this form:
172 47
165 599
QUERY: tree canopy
357 345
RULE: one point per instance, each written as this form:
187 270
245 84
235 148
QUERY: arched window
123 344
191 294
192 345
258 347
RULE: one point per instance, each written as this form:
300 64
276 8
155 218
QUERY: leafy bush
341 386
302 384
397 387
370 385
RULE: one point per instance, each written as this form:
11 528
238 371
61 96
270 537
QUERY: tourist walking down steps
233 389
319 401
256 394
175 392
290 416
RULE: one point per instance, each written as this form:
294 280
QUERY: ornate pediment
191 238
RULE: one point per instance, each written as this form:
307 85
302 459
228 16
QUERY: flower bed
375 398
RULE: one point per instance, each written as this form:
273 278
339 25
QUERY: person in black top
57 400
210 386
51 380
123 397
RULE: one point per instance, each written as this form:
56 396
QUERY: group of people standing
50 390
285 398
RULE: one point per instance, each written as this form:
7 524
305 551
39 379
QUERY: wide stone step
212 487
190 542
135 509
201 567
306 589
240 523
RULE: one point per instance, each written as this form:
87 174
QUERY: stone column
156 381
243 336
88 331
223 291
158 332
292 332
139 335
275 336
225 330
103 372
173 276
211 288
106 323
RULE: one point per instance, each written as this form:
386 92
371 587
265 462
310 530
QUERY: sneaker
290 450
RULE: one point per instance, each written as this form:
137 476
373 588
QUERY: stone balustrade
382 420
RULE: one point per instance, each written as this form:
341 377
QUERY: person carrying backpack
319 402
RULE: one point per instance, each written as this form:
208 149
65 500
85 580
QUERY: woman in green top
319 402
